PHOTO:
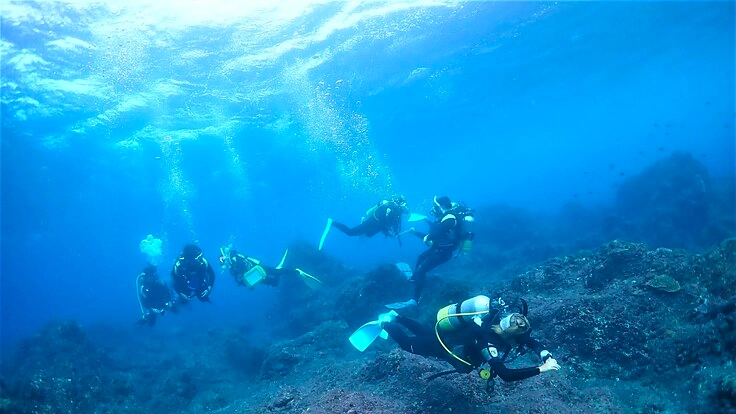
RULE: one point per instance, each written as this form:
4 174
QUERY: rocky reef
635 330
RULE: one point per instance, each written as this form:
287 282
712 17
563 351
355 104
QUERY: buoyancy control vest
371 212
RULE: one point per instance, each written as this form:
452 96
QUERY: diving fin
416 217
309 280
409 230
283 259
364 336
402 305
405 269
325 232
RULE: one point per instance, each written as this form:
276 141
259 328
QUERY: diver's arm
210 274
440 229
535 346
510 374
139 286
210 279
139 293
179 282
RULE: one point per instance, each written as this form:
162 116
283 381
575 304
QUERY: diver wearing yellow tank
478 333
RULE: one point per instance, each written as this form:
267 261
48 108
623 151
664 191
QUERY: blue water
228 122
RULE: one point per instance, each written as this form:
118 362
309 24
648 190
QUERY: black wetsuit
155 296
240 265
193 276
444 236
468 343
385 218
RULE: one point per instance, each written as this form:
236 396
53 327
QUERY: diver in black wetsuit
482 338
154 296
445 236
192 275
384 217
247 271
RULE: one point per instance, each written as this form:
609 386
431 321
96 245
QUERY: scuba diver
248 271
478 333
192 274
154 296
451 231
383 217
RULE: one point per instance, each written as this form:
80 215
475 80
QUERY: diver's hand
549 365
205 293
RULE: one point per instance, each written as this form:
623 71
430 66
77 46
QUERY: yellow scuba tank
454 316
467 230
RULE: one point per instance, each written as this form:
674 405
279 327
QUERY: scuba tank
466 228
454 316
371 211
474 310
254 275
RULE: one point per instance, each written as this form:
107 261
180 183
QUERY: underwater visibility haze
564 125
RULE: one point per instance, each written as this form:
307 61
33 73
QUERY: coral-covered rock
664 283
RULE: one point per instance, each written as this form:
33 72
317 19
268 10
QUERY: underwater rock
615 260
726 391
285 357
242 353
362 299
384 365
278 363
61 370
668 203
282 399
721 279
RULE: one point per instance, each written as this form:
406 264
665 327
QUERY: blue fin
416 217
405 269
325 232
401 305
309 280
364 336
283 259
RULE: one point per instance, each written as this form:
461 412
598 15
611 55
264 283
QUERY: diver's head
514 324
400 201
191 252
441 205
233 256
151 271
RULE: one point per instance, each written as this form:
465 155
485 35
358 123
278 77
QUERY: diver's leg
355 231
413 326
425 345
273 275
406 342
428 261
420 272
